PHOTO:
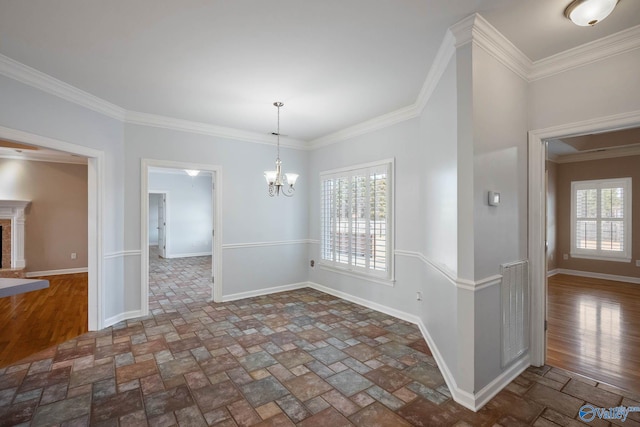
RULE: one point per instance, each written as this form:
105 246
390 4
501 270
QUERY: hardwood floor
34 321
594 329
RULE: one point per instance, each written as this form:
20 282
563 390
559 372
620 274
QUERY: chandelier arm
290 192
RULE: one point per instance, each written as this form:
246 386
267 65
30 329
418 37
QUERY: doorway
592 323
538 213
158 221
186 244
95 165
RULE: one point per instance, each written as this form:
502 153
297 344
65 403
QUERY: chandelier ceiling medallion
276 179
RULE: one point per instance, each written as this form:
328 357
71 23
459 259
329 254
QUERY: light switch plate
494 198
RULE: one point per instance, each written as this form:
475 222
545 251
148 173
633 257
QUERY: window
356 223
601 219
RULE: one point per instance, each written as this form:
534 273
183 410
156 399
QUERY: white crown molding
493 42
445 52
610 153
49 157
462 31
380 122
154 120
473 29
587 53
39 80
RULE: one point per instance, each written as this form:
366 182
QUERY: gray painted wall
189 212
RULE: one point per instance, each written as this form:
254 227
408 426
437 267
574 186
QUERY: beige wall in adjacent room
552 229
56 219
619 167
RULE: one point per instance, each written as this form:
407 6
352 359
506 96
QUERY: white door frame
538 208
216 245
96 186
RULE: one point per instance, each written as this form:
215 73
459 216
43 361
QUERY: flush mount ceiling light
276 179
192 172
589 12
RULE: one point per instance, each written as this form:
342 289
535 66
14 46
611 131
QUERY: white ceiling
334 63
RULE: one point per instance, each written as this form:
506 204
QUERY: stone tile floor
294 358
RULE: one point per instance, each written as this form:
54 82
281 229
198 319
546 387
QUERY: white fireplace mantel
14 210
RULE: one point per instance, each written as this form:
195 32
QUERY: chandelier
276 179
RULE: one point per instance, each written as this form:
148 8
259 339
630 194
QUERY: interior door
162 225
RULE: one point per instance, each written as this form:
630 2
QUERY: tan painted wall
56 220
552 229
597 169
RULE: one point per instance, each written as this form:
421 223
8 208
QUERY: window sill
362 276
600 258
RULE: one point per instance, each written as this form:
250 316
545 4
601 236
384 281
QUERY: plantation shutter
355 219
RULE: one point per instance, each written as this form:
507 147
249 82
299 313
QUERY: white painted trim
487 393
460 396
266 291
13 210
473 28
122 316
95 203
587 53
44 82
552 273
481 284
442 269
188 255
537 212
446 51
366 303
487 37
217 197
468 285
119 254
361 276
163 122
264 244
57 272
30 156
609 153
595 275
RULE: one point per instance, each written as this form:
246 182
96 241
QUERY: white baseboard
267 291
593 275
188 255
366 303
460 396
470 401
120 317
552 273
487 393
57 272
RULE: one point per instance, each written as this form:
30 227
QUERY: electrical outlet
74 255
312 263
638 263
565 256
418 296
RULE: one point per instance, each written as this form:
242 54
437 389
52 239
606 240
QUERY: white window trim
596 254
384 278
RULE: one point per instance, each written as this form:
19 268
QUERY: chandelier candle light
276 179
